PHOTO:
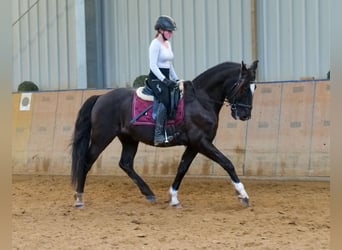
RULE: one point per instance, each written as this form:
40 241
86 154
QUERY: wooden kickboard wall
288 136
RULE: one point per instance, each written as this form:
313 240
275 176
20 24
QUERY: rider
162 77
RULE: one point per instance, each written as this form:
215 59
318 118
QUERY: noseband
235 105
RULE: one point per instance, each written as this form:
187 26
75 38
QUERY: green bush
27 86
139 81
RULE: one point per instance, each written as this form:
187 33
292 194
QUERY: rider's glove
170 83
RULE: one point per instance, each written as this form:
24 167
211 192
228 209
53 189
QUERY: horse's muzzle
245 118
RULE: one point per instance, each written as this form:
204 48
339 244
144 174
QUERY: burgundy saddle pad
139 105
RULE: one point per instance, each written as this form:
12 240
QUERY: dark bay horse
104 117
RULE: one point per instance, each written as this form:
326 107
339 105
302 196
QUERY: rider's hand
170 83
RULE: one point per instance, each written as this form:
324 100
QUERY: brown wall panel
319 164
260 163
21 129
145 161
321 118
42 132
288 135
295 129
108 161
263 131
201 166
164 161
68 104
293 164
320 144
263 127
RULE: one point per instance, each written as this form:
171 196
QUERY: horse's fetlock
123 165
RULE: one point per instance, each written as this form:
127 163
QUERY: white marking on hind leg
174 199
78 200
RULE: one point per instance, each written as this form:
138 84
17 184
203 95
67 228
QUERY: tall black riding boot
159 137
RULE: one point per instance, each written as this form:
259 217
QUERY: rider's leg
159 136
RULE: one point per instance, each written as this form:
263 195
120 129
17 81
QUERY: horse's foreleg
187 157
126 163
78 200
209 150
241 193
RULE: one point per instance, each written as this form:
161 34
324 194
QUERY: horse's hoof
244 201
151 198
79 205
178 205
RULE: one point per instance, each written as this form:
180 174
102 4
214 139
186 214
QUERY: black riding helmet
166 23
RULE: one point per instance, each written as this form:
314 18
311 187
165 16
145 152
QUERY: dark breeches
160 90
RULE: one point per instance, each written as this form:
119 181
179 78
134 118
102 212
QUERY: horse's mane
222 67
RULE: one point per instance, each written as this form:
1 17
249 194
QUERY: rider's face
167 34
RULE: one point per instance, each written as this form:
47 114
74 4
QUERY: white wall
49 39
49 43
208 32
293 39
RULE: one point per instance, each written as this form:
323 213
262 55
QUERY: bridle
235 90
233 105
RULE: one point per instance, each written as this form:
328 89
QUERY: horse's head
241 96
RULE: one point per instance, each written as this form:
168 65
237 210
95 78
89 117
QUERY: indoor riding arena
281 155
74 49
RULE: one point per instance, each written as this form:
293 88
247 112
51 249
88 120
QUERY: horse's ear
254 65
243 66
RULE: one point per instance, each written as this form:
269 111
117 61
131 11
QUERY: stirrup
159 142
168 138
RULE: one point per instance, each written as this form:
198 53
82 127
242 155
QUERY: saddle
144 107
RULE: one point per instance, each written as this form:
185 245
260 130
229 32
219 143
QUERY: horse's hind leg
126 163
187 157
92 154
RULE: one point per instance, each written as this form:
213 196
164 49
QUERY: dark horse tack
104 117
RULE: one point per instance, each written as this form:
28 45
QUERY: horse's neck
210 98
215 84
216 90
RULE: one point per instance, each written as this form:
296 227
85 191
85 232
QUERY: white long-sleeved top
161 57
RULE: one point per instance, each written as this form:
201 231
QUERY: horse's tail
81 140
